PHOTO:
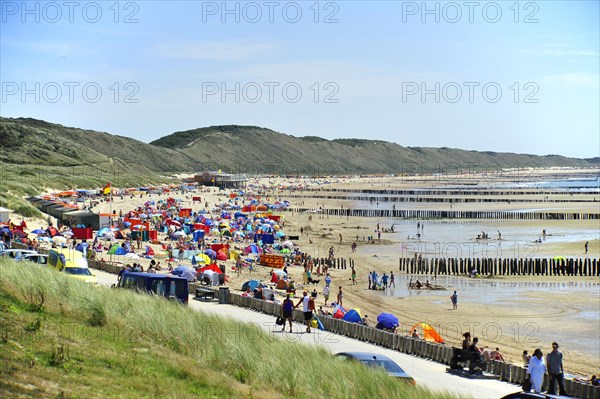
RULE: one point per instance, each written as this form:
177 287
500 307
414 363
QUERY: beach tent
428 333
353 316
281 284
338 312
252 284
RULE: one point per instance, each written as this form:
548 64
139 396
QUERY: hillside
255 149
249 149
29 141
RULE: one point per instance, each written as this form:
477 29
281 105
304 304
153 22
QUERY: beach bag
314 323
279 321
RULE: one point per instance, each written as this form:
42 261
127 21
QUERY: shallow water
458 239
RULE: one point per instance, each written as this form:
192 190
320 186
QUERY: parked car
16 254
40 259
376 360
72 263
529 395
168 286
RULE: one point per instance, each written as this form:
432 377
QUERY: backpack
311 305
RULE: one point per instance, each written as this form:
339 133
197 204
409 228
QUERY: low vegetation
61 338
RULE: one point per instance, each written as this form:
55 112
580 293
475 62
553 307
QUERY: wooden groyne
502 266
446 214
436 199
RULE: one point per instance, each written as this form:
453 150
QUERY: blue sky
496 76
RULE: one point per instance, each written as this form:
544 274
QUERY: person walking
340 297
370 279
554 362
536 370
353 276
586 246
392 280
454 299
287 308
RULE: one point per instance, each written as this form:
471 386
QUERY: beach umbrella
139 226
68 233
221 255
186 272
280 273
179 233
59 240
353 316
214 268
132 255
39 232
388 320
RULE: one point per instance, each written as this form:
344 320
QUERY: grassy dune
61 338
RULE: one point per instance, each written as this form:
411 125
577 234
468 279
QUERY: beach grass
62 338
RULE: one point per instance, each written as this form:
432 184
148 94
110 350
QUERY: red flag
106 189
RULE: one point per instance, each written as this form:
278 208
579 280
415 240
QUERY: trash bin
224 295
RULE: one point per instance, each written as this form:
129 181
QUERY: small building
86 218
4 214
221 180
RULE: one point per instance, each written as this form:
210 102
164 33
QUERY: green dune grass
62 338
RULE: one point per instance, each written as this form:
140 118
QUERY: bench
462 358
205 293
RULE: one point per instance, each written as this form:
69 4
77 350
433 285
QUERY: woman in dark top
287 309
467 341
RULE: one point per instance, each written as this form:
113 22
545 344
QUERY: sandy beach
512 313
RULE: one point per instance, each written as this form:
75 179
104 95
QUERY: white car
16 254
39 259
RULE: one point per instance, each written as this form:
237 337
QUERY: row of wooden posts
335 263
436 198
447 214
428 350
458 192
502 266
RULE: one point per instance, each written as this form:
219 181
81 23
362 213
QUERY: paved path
426 373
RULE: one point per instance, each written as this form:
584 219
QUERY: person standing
554 362
587 246
340 297
353 276
392 280
305 309
454 299
287 311
536 370
326 294
384 280
370 279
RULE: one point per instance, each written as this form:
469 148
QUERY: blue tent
252 284
353 316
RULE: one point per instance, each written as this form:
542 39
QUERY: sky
501 76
